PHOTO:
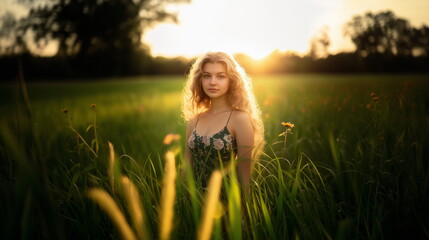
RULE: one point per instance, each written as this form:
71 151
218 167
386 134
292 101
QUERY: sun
257 32
258 53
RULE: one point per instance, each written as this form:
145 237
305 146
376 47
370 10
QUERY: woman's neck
219 105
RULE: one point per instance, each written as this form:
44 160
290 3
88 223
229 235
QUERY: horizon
223 26
258 38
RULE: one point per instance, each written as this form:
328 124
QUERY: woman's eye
221 77
206 76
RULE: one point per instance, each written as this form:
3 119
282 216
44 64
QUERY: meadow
354 166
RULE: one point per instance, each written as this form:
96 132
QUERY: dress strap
229 118
198 118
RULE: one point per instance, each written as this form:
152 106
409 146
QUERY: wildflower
375 99
267 102
170 138
288 124
372 94
64 110
92 107
288 130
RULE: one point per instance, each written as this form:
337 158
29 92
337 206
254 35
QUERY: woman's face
215 80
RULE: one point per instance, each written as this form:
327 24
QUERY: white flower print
218 144
227 138
228 141
191 141
206 141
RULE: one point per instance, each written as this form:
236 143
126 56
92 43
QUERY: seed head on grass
65 110
168 195
211 207
132 198
112 165
103 199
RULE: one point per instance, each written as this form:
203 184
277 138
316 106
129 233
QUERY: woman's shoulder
239 117
192 121
240 114
241 124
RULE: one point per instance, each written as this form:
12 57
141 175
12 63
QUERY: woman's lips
213 90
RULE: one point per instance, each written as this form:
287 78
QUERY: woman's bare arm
245 139
187 154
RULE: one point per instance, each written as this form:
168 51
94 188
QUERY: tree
11 37
319 44
421 41
94 37
384 33
83 27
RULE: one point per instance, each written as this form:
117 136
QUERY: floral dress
209 151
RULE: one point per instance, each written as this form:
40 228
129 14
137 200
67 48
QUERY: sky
258 27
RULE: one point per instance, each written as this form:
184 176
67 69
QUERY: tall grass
354 167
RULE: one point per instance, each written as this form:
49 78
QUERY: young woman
223 118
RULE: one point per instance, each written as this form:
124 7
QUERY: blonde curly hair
240 94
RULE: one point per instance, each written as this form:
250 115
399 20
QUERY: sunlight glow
252 27
257 28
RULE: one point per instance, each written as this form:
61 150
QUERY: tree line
99 38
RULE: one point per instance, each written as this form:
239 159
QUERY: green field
354 167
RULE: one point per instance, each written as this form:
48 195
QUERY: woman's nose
212 81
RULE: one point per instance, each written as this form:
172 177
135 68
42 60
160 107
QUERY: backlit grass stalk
234 203
370 181
211 201
93 108
78 134
111 172
267 217
132 198
168 196
103 199
192 190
